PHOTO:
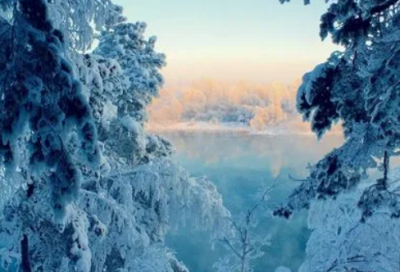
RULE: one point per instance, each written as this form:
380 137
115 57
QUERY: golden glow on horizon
272 65
186 71
260 41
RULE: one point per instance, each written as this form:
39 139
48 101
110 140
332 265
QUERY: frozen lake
240 165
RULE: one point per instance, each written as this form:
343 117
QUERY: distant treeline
257 106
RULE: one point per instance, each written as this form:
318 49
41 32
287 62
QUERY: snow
53 104
282 269
293 127
131 124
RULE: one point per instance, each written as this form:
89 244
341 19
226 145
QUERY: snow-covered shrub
135 209
340 242
243 243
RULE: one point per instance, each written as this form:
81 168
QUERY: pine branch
382 7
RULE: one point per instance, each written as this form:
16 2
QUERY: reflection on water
241 165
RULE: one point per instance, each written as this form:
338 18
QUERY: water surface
241 165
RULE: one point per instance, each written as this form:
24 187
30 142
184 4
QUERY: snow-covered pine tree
353 228
142 195
41 106
139 84
125 209
360 87
41 103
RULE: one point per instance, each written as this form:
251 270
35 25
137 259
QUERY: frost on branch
81 19
51 246
119 222
340 242
241 240
78 20
136 208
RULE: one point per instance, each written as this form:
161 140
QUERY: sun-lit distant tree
166 109
256 106
194 99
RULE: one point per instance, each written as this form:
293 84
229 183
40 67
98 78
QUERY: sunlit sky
259 41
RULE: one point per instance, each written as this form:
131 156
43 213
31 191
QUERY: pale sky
233 40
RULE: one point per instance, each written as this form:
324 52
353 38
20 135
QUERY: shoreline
234 128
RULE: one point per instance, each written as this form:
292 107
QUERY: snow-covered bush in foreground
135 209
118 224
340 242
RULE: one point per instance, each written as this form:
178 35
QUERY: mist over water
241 165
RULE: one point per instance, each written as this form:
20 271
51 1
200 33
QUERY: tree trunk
25 263
385 169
